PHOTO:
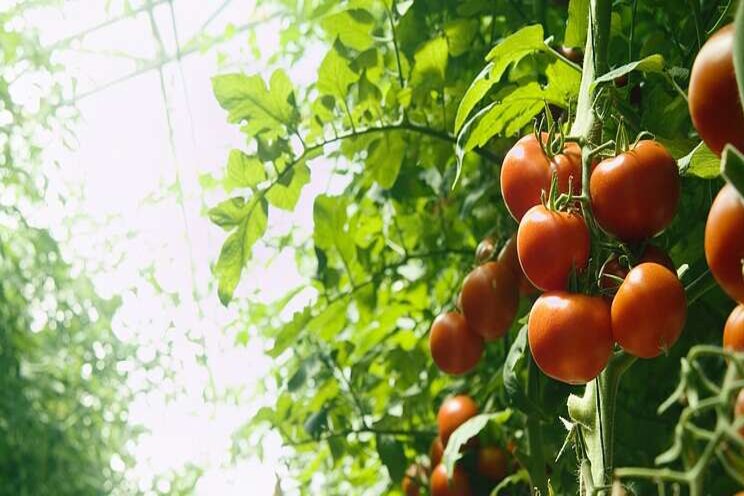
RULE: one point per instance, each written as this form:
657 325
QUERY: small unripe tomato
490 300
570 335
436 451
454 412
441 486
724 241
491 463
649 310
455 348
733 331
714 102
550 245
635 195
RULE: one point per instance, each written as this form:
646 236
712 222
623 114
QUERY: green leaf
353 30
392 456
335 76
386 157
700 162
653 63
237 249
243 171
329 216
732 167
510 50
266 111
471 428
739 52
285 193
430 64
460 34
514 367
229 213
578 13
520 477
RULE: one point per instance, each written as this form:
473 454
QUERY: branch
364 430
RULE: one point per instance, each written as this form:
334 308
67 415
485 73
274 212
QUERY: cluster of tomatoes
480 469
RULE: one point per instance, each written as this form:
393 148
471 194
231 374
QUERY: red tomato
526 172
491 463
490 300
458 486
570 335
508 256
410 482
724 241
733 332
453 413
484 251
436 451
454 347
650 254
635 195
715 107
550 244
649 310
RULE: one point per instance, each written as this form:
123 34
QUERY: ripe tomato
410 482
436 451
550 244
573 54
570 335
635 195
649 310
454 347
458 486
453 413
508 256
484 251
724 241
526 172
490 299
733 331
650 254
491 463
713 95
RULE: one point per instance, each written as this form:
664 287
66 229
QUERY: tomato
724 241
650 254
649 310
635 195
484 251
715 107
570 335
573 54
454 347
411 480
436 451
490 300
739 408
491 463
526 172
458 486
508 256
733 331
453 413
550 244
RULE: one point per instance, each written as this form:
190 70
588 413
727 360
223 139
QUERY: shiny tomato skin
570 335
550 244
453 413
715 107
490 300
458 486
650 254
733 331
649 310
526 172
724 241
491 463
436 451
635 194
508 256
455 348
484 251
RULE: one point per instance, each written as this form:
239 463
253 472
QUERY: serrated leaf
386 157
510 50
243 171
653 63
430 64
335 76
284 194
392 456
229 213
460 34
265 110
349 29
471 428
732 167
288 333
578 13
700 162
